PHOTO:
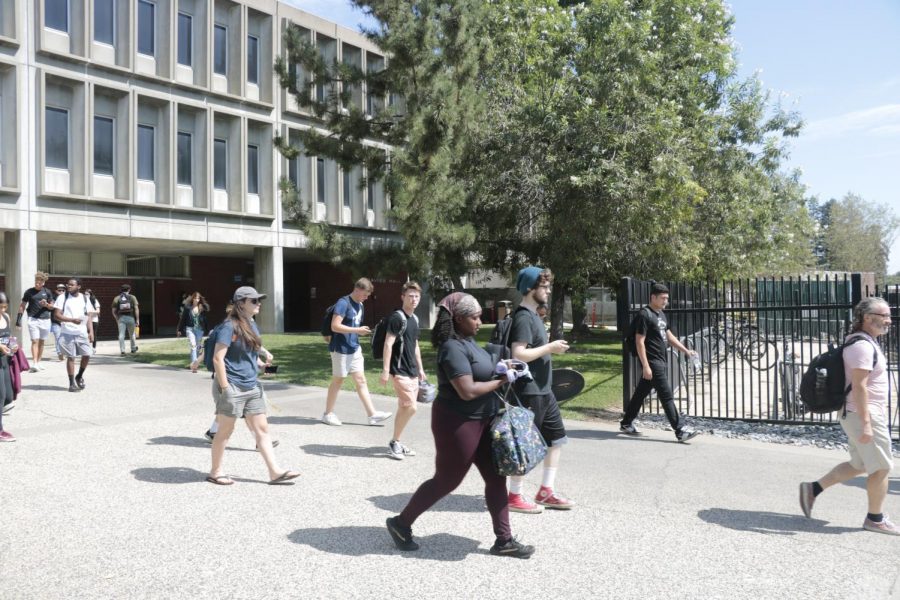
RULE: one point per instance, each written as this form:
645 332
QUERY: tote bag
516 444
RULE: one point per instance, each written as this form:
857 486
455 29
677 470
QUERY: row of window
57 151
56 16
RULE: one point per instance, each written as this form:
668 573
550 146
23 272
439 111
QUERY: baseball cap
244 292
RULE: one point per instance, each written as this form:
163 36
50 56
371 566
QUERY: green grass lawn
302 358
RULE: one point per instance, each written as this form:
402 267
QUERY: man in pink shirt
866 421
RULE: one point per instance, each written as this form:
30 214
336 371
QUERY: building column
268 267
21 252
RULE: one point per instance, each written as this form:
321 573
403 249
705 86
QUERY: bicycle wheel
759 354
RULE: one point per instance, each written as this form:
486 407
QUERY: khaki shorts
344 364
407 389
235 402
876 455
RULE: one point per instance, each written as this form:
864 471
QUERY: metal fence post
623 319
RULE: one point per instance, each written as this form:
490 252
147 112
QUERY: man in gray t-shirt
529 343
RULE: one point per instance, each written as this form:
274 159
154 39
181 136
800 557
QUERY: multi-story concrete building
136 144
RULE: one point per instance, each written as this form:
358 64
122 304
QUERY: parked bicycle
737 338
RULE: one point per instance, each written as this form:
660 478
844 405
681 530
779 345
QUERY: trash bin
503 308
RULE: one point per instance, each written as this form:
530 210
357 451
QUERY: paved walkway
103 496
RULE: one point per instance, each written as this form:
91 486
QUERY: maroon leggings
459 443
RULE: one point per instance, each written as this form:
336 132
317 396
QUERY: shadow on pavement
590 434
768 522
351 451
51 388
367 541
451 503
169 475
860 482
293 420
189 442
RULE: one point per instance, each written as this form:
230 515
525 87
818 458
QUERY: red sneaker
518 503
547 497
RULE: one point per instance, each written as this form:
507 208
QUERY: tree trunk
557 303
579 312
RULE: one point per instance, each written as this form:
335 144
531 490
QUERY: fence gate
755 338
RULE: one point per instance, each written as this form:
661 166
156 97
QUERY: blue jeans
194 336
55 329
126 325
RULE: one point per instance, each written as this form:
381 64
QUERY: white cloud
881 121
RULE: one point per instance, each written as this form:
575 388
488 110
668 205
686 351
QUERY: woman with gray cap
236 389
461 424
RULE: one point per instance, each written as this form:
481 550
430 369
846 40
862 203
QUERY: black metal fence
755 339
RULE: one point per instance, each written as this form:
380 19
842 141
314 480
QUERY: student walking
529 343
460 422
193 325
236 389
38 302
94 314
346 354
55 325
77 332
403 363
8 349
652 339
866 419
127 313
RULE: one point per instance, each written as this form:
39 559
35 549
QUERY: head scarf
460 304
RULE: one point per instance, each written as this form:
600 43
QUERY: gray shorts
235 402
876 455
75 344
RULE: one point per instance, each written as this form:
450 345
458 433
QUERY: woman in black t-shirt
461 421
7 351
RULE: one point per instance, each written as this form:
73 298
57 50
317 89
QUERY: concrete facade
136 137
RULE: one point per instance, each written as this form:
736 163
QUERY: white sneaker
40 366
399 451
33 370
331 419
379 417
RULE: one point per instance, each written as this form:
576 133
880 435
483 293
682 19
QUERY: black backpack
124 307
500 336
209 348
630 335
824 387
325 330
380 334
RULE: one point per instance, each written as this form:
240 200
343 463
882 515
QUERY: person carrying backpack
865 420
77 332
127 314
403 362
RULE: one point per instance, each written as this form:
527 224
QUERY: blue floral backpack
516 444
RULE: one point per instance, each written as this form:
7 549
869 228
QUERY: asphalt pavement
104 496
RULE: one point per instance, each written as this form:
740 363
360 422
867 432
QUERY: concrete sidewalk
103 496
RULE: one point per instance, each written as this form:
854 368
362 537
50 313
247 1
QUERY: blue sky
837 62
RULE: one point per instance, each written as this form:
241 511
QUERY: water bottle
13 344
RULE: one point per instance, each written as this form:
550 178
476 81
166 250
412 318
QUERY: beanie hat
527 279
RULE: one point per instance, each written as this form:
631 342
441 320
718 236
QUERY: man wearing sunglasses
866 418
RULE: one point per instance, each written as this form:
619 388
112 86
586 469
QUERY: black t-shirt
653 325
32 300
403 361
464 357
528 327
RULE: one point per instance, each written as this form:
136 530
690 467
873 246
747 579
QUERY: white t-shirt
860 356
74 307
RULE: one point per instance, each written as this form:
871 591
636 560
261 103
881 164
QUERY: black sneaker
74 388
135 349
209 435
513 548
628 429
686 435
401 535
79 381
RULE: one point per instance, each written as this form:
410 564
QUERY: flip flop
284 477
220 480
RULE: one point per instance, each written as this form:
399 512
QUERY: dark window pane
220 50
104 21
146 27
184 158
252 59
347 189
370 201
320 179
252 169
145 152
56 14
185 39
220 158
103 145
294 172
57 138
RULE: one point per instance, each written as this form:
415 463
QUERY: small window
104 128
252 59
347 189
145 141
184 158
185 39
370 193
56 15
220 164
146 27
294 172
105 21
252 169
220 50
56 137
320 180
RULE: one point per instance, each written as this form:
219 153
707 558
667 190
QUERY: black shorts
547 417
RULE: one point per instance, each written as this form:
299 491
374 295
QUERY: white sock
214 427
549 477
516 484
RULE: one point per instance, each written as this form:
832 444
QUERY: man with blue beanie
529 343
